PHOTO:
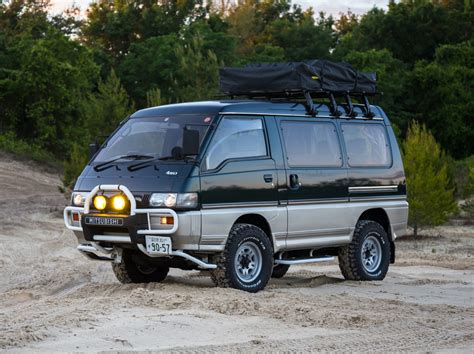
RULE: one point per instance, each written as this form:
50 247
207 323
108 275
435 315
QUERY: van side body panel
322 213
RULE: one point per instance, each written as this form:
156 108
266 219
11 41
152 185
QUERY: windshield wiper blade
146 163
101 166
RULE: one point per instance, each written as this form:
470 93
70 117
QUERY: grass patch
22 149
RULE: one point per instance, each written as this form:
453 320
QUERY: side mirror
93 148
190 142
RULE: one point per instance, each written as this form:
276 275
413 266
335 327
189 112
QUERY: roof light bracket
333 106
350 112
309 104
368 112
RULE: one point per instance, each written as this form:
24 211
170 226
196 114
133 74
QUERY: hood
156 177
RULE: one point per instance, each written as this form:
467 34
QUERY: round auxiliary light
100 202
118 202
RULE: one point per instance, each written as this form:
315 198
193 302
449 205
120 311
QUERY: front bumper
99 242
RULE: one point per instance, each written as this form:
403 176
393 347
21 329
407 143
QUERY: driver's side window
236 137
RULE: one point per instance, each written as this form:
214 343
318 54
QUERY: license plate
158 245
95 220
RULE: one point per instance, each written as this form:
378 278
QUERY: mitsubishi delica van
245 187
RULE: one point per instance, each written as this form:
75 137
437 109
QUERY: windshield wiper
101 166
146 163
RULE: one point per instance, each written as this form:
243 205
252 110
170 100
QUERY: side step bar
304 260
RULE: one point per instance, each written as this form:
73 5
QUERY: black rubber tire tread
223 277
279 270
350 262
127 272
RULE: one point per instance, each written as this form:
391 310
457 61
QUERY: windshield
153 137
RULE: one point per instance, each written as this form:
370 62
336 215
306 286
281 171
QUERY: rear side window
367 145
236 138
311 144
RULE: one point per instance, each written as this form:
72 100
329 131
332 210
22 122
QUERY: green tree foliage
429 194
61 75
115 26
153 97
74 165
148 65
441 94
44 77
470 186
104 110
214 32
411 29
101 113
197 74
391 77
275 30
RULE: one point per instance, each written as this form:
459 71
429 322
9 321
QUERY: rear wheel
279 270
367 257
247 260
128 271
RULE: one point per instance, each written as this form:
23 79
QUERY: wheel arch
259 221
380 216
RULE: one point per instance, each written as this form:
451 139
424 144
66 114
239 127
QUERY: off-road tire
350 256
279 270
225 275
128 271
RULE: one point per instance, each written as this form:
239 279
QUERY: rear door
369 159
317 183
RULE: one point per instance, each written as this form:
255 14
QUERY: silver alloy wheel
248 262
371 253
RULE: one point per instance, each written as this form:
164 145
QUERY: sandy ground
54 299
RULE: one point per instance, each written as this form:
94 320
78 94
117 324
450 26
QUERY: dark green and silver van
243 189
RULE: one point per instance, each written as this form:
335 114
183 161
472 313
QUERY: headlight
178 200
78 198
187 200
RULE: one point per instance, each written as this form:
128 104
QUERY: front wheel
128 271
367 257
247 260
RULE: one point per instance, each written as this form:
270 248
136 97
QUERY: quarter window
236 138
311 144
366 145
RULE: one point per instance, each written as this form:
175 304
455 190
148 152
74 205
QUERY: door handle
294 182
268 178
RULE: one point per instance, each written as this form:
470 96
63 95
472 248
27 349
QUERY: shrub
9 143
429 193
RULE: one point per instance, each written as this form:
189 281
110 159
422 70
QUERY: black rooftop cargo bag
311 75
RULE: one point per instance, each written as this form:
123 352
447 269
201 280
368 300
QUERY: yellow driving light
118 202
100 202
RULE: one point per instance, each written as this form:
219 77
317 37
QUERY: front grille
142 200
145 200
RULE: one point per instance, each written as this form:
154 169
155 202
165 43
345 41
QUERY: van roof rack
301 82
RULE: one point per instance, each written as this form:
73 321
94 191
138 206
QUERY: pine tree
153 97
197 77
101 113
74 165
107 108
430 196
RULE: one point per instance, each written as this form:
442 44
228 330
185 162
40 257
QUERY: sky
333 7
